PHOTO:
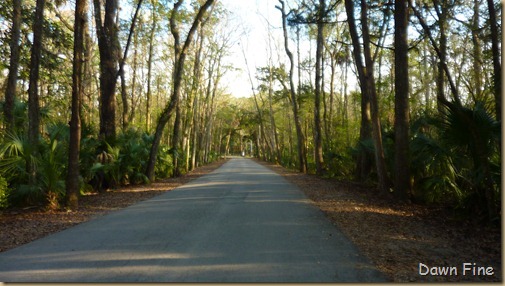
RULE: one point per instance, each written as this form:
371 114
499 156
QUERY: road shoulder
398 237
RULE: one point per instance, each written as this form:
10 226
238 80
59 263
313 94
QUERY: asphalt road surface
240 223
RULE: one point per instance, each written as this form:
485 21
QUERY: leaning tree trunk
180 56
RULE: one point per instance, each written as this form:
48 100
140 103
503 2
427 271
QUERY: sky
249 18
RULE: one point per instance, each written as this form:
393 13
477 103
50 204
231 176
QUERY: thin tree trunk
426 76
211 116
346 98
272 118
72 180
302 157
176 136
10 91
149 70
180 56
87 77
33 89
122 61
195 91
124 98
134 78
443 55
495 47
318 132
255 97
477 52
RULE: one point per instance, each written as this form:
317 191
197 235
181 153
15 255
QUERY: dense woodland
92 100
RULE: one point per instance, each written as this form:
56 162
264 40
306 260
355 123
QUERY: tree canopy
403 96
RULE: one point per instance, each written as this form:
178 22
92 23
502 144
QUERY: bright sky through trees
249 22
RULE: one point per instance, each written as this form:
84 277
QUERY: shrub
4 193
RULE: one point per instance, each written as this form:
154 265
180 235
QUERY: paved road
240 223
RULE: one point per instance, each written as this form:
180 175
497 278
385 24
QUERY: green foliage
339 163
365 146
451 165
87 158
52 168
132 159
14 154
434 171
125 161
164 164
4 193
49 161
213 156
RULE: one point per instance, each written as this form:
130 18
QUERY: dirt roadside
398 237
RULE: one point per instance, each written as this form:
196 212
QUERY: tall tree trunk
346 97
275 138
135 66
318 132
10 91
426 77
180 56
88 74
72 180
495 47
33 89
443 55
402 167
210 115
477 52
197 135
195 91
149 69
302 157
